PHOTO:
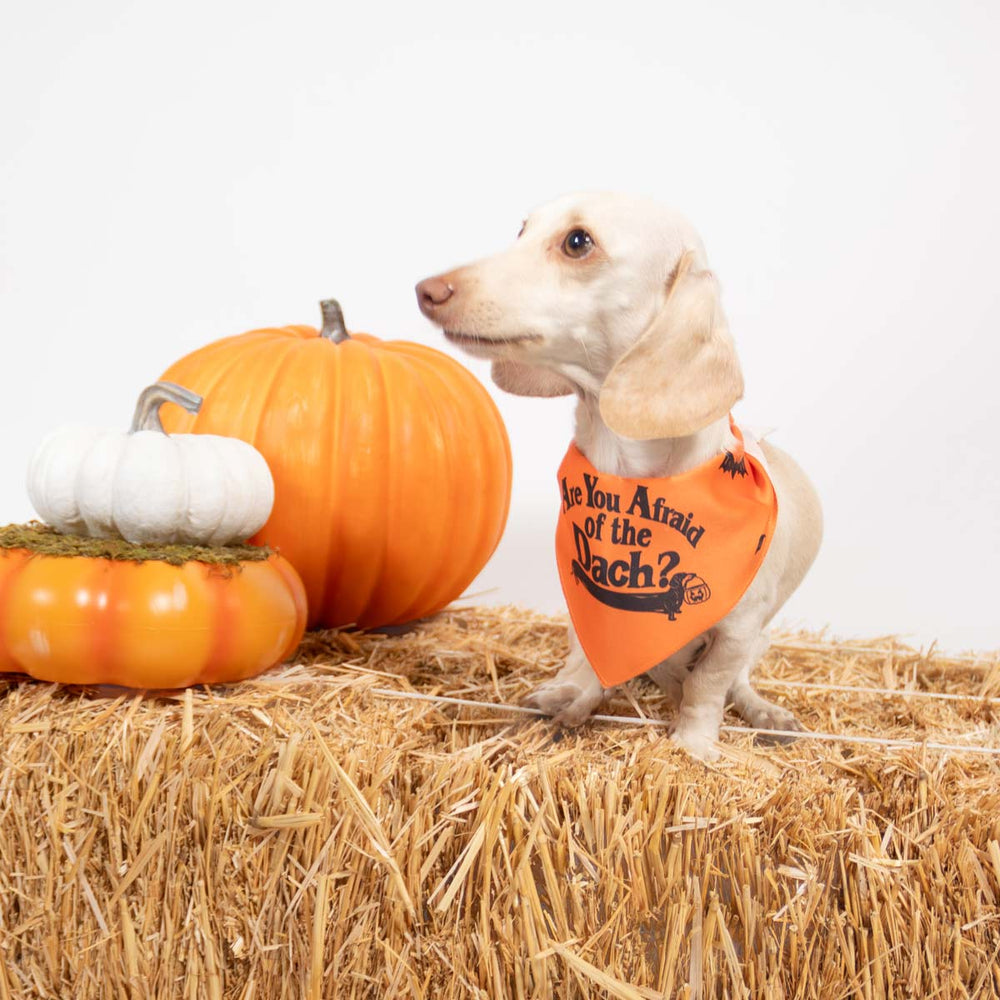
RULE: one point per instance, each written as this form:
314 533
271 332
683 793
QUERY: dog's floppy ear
527 380
682 373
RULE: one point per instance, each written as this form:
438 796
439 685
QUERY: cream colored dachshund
609 297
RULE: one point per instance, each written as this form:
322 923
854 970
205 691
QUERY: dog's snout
433 292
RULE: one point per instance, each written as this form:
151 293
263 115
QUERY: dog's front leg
573 694
730 653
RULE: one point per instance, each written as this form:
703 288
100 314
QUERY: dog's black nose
433 292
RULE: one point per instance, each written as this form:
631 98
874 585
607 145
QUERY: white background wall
174 173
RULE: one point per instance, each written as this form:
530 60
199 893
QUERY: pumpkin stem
333 322
147 409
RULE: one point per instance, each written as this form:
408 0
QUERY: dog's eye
577 243
520 232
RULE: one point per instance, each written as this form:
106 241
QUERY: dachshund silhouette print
685 588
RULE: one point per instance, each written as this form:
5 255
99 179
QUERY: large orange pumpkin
391 464
84 620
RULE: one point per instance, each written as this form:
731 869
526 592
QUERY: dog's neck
617 456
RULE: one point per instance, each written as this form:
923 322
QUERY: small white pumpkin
149 486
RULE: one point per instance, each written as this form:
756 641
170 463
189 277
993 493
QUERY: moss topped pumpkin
92 611
391 464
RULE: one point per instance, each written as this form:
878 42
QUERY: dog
609 297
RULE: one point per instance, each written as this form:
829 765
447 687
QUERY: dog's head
600 294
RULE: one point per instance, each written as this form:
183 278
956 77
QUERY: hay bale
299 835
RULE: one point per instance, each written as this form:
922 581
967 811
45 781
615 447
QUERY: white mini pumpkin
149 486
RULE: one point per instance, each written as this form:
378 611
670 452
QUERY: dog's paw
776 718
566 702
697 743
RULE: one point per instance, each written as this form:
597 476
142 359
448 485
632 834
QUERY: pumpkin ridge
252 437
391 611
410 465
8 577
246 360
436 574
384 399
333 571
225 617
322 432
463 576
297 595
455 392
490 530
275 373
224 367
103 627
487 431
392 485
497 431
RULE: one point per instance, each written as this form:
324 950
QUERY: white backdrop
174 173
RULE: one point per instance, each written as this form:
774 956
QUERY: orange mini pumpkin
150 624
391 463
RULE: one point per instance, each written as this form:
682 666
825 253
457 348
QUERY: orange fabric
647 565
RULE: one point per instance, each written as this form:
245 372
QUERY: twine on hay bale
299 835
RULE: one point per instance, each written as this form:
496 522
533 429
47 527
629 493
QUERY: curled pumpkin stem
147 409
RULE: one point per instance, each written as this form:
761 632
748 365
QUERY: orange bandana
647 565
